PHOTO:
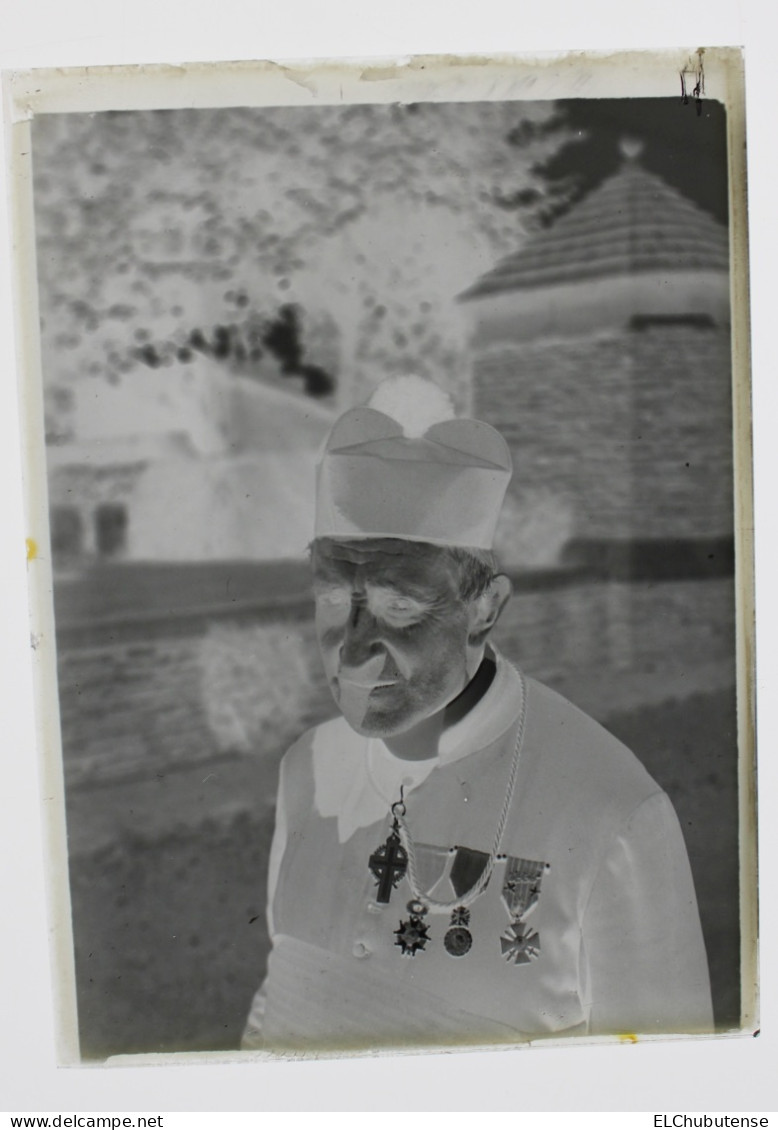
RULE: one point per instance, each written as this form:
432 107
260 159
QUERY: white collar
356 778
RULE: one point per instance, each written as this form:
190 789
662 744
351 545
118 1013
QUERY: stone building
602 352
185 464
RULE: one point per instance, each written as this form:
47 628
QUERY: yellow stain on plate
628 1037
32 548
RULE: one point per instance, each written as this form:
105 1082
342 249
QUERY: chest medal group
519 943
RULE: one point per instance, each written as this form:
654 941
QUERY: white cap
403 466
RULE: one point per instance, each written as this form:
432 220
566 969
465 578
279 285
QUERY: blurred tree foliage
321 243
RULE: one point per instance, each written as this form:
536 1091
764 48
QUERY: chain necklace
413 934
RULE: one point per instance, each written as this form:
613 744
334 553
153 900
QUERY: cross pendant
388 864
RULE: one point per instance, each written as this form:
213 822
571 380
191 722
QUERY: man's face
392 631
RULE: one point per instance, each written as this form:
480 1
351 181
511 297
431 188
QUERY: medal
388 863
413 935
520 944
470 873
458 939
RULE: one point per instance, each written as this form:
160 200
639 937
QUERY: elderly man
463 857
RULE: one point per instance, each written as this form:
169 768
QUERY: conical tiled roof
634 222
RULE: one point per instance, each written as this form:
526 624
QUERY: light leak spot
628 1037
32 548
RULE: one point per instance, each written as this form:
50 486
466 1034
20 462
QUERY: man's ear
485 610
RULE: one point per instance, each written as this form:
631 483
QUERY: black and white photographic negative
217 285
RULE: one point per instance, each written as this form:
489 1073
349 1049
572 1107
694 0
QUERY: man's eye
400 606
400 613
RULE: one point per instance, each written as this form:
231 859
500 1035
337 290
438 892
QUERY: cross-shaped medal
388 864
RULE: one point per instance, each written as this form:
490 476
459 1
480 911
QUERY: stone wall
562 635
163 694
631 429
682 444
132 708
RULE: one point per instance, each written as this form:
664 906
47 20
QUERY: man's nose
361 638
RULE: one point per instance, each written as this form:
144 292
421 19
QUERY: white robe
616 940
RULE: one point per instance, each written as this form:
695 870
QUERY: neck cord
398 811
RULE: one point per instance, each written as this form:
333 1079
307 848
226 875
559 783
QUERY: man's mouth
366 686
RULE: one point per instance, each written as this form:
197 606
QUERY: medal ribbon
398 811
